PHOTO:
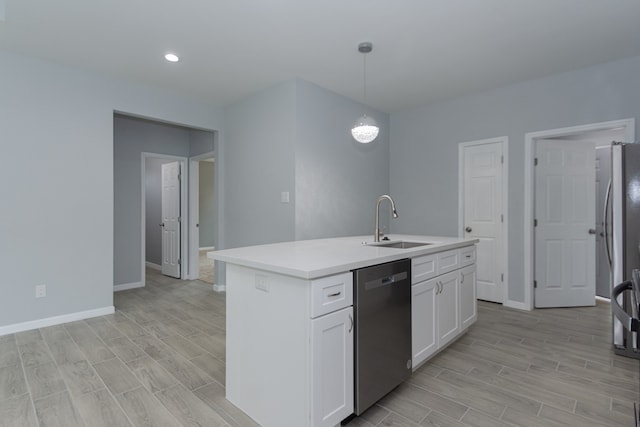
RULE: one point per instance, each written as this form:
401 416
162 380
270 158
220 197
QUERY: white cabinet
332 368
424 333
331 352
331 293
468 306
448 319
443 306
423 268
467 256
290 347
435 319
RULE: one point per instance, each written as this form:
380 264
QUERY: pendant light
365 129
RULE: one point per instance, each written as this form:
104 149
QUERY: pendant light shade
365 130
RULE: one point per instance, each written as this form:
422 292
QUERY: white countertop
310 259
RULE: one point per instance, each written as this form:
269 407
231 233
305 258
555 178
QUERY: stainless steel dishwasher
382 305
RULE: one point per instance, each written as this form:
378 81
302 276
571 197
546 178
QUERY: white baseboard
208 248
153 265
220 288
517 305
598 298
125 286
55 320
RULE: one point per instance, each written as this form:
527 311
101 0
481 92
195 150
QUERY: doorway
573 146
483 212
163 204
202 208
136 138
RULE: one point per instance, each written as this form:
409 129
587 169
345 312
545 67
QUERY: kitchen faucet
376 235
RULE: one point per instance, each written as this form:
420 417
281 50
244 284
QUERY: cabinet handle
439 291
468 256
335 294
351 327
461 277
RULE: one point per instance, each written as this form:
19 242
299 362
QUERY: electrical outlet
262 282
41 291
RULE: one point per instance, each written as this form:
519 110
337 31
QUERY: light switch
284 197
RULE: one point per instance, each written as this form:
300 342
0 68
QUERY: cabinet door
448 308
332 368
423 321
468 305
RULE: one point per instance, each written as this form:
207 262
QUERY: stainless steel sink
400 244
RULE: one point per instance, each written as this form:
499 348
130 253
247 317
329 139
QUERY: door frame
194 185
184 213
529 189
504 141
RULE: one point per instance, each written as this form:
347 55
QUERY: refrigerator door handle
605 215
628 322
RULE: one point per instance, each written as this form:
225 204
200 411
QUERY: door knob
592 231
468 229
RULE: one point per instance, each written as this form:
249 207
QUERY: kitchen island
289 351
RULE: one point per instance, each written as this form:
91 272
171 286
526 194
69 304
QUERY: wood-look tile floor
159 361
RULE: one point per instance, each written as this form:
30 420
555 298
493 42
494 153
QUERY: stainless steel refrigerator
622 235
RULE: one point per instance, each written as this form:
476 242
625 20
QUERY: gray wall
295 137
337 179
207 207
201 142
153 210
131 138
258 160
424 143
58 212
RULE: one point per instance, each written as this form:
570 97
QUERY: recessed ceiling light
171 57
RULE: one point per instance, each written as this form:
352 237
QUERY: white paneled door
483 215
171 219
564 223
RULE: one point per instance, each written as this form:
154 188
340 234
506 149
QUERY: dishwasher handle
385 281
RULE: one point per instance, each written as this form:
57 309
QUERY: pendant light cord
364 88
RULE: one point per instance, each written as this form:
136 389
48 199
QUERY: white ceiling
424 50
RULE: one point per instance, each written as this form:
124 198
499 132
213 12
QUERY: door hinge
179 261
179 177
535 284
535 222
502 277
501 217
501 159
179 219
535 162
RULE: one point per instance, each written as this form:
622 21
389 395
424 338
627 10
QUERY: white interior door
564 223
171 219
483 215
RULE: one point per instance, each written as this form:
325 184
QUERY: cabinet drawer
448 261
331 293
423 268
467 255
